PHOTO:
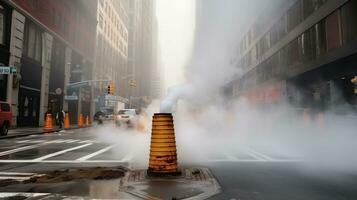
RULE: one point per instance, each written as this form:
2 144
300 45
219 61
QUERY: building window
333 31
2 25
33 42
349 17
308 44
320 31
293 52
294 15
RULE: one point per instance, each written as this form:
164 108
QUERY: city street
246 174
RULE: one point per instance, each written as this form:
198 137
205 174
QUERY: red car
5 117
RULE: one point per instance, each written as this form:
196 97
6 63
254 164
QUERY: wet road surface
246 174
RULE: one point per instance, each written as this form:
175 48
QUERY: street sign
7 70
58 91
72 97
78 84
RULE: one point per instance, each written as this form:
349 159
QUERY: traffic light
111 89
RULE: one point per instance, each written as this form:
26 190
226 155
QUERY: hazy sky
176 31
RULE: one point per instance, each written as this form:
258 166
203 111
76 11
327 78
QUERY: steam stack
163 156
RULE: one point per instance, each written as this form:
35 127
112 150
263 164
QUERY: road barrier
67 124
163 156
48 122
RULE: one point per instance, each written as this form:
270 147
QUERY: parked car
126 117
5 117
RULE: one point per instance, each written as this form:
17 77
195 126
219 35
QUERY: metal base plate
193 183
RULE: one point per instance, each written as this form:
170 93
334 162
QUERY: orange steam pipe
163 155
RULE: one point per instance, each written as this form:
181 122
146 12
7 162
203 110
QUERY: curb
37 133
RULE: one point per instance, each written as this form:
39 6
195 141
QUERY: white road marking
127 158
14 178
15 194
254 160
86 141
19 149
16 174
61 152
23 141
95 153
61 161
72 141
253 152
230 157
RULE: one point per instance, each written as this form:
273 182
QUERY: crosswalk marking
258 155
86 141
61 152
17 194
56 141
95 153
19 149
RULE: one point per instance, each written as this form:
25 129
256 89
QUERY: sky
176 20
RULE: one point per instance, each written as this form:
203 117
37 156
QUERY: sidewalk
25 131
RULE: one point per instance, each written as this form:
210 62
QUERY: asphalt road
244 175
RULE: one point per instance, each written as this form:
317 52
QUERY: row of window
293 17
331 33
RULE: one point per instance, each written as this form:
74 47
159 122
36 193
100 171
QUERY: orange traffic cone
48 123
163 156
66 121
87 121
80 121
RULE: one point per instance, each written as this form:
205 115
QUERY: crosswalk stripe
19 149
61 152
86 141
95 153
262 156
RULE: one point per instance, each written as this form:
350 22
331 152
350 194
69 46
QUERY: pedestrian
60 117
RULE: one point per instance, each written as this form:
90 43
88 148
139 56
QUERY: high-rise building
51 44
111 52
141 55
304 52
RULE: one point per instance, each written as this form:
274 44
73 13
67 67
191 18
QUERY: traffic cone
87 121
48 123
66 122
80 121
163 156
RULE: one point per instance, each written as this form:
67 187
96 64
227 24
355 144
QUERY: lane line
61 161
61 152
254 160
96 153
72 141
